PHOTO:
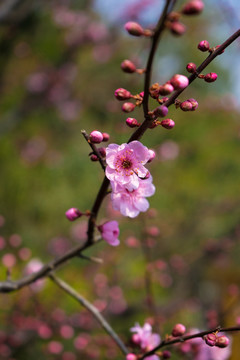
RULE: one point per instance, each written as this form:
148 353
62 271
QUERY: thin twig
92 309
188 337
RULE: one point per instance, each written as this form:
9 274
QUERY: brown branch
188 337
92 309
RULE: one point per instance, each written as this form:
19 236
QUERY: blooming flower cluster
131 182
145 339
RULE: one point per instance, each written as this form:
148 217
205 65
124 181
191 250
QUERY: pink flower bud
165 89
96 137
221 52
186 106
179 81
152 155
191 67
178 330
168 123
136 339
211 77
222 341
142 94
177 28
210 339
106 136
128 107
102 151
166 354
128 66
160 111
194 104
193 7
122 94
131 122
203 45
73 214
131 356
94 157
134 28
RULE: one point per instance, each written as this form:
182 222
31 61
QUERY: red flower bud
179 81
178 330
177 28
122 94
165 89
222 341
134 28
193 7
211 77
131 122
203 45
186 106
128 107
73 214
102 151
210 339
194 104
167 123
94 157
128 66
96 137
191 68
160 111
106 136
166 354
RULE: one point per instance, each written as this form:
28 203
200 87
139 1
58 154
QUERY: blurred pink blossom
110 232
146 339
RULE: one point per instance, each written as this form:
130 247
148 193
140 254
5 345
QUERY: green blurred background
179 262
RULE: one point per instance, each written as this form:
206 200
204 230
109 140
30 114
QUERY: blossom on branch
110 231
132 202
144 337
125 163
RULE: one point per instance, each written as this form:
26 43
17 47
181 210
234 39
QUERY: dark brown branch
92 309
188 337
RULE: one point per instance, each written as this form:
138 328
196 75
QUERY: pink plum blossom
132 202
110 232
146 339
125 163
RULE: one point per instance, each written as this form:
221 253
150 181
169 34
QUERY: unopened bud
210 339
166 354
193 7
136 339
128 66
186 106
167 123
134 28
94 157
73 214
141 94
179 82
203 45
165 89
131 356
216 47
128 107
154 91
122 94
102 152
106 136
131 122
194 104
211 77
178 330
152 155
177 28
222 341
160 111
96 137
191 67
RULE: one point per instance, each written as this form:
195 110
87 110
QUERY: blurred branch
92 309
188 337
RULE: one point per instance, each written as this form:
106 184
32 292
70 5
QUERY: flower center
126 164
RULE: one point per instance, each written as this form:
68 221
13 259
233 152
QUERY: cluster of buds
214 340
193 7
96 137
187 105
123 94
192 68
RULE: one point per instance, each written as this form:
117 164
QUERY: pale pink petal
110 173
141 151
